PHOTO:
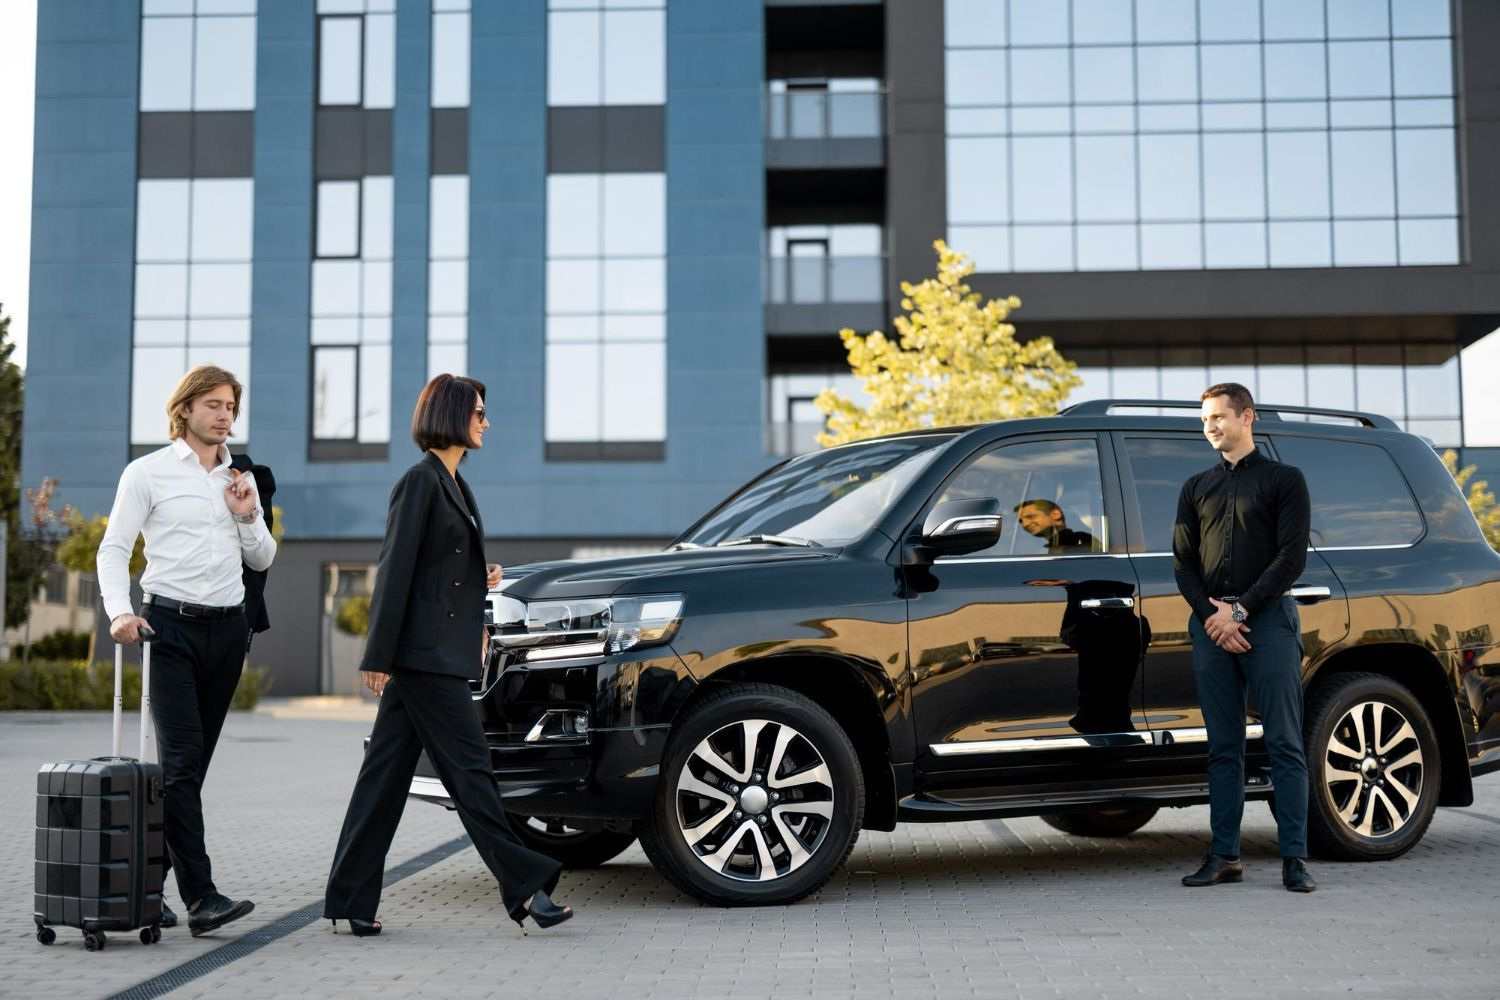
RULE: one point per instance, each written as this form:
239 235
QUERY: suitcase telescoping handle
146 636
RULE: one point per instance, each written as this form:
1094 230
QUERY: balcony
819 294
825 125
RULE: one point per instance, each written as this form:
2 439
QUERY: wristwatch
250 518
1237 612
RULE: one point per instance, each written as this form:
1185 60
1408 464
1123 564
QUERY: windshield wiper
770 540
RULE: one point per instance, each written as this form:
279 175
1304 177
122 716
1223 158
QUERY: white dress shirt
194 546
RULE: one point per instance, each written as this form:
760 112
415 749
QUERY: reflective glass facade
194 204
1174 134
606 212
448 192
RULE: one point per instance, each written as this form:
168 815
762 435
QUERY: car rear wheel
1109 823
576 847
1373 768
760 800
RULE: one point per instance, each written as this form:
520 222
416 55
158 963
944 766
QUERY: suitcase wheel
150 935
94 940
46 935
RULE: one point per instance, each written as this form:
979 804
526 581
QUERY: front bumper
575 738
613 776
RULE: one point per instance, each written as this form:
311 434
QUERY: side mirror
959 526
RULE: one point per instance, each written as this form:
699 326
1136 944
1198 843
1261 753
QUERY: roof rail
1102 407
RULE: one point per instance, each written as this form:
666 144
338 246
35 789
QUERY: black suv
982 622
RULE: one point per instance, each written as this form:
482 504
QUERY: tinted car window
1359 497
1159 467
1049 492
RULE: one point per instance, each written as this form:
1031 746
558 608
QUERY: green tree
955 360
1481 500
20 579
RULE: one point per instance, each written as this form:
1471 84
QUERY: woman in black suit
424 644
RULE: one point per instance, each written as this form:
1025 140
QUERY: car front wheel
760 799
1373 768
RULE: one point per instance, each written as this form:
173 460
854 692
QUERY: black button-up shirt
1241 531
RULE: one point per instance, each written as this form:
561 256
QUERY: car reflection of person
1045 520
426 620
1239 544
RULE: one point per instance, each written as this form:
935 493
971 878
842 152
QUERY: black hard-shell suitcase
100 842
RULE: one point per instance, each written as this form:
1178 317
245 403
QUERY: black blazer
255 579
427 612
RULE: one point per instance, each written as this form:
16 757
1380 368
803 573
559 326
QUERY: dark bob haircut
444 410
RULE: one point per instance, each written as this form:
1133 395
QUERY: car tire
1374 770
575 847
755 777
1109 823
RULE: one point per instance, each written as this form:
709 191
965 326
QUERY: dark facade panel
825 318
183 144
450 141
610 139
346 451
353 143
825 154
606 451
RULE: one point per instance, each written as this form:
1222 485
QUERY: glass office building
642 222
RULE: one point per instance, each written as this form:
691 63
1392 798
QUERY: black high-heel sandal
358 927
541 909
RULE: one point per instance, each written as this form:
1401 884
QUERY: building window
815 264
793 419
448 192
606 327
606 308
350 328
603 52
351 312
195 203
1200 136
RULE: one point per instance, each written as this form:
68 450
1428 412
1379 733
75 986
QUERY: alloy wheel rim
754 800
1373 770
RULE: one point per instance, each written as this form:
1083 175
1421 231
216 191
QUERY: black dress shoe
168 918
214 911
1215 869
1295 877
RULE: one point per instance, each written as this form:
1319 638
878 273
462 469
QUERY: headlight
591 626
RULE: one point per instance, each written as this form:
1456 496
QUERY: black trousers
195 667
434 711
1273 670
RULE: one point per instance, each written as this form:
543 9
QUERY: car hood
646 573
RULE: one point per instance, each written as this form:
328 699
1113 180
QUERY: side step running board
934 808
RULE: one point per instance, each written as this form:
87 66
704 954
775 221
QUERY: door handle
1097 603
1309 595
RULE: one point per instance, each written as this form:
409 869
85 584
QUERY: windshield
827 498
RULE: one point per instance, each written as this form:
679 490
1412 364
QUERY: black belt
188 609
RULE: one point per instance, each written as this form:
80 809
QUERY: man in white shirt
203 523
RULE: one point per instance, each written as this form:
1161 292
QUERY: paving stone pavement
961 910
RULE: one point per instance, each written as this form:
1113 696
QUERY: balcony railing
825 114
820 280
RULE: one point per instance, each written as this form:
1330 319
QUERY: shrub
72 685
64 644
353 617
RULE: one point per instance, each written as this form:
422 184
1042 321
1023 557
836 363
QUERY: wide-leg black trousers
433 711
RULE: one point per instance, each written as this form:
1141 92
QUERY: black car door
1153 466
1025 655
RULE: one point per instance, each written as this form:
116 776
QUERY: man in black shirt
1045 520
1239 544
